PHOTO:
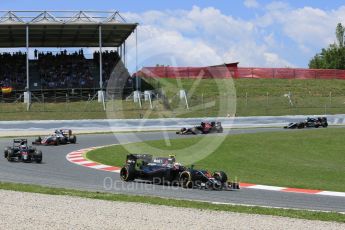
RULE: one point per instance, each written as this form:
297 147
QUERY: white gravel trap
37 211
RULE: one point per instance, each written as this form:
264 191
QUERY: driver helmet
171 160
177 165
22 145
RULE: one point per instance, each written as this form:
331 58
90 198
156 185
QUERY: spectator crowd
57 70
63 70
13 70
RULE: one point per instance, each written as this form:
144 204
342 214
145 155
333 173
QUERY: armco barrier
241 72
155 124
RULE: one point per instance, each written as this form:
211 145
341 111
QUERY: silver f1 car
20 151
309 123
165 170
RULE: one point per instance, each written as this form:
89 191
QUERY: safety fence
84 105
240 72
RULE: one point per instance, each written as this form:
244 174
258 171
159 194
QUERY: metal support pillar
137 80
101 91
124 54
27 93
100 59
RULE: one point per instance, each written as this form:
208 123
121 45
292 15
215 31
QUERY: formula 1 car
203 128
162 170
309 123
62 136
20 151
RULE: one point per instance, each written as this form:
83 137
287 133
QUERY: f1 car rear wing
135 157
16 141
66 131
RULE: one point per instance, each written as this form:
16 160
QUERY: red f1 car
203 128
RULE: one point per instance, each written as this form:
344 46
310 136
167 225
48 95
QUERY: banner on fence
239 72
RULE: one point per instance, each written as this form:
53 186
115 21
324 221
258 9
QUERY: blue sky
260 33
236 7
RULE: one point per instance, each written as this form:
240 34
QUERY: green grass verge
312 159
300 214
207 97
52 111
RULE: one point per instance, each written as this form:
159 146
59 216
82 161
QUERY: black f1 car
162 170
62 136
20 151
309 123
203 128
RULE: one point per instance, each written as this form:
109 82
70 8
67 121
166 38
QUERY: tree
332 57
340 34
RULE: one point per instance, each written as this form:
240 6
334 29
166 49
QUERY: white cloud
251 3
206 36
201 36
310 28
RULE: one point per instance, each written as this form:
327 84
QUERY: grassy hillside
206 97
258 96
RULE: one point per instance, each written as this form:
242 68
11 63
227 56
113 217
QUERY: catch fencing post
150 101
113 100
66 106
294 73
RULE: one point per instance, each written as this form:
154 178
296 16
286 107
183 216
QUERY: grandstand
67 71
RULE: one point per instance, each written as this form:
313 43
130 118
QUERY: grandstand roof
63 28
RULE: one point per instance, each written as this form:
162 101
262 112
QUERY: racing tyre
9 155
73 139
220 176
5 152
38 156
57 141
325 125
186 180
195 131
127 173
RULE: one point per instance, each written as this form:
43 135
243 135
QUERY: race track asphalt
56 171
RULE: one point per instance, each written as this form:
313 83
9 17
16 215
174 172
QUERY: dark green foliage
332 57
